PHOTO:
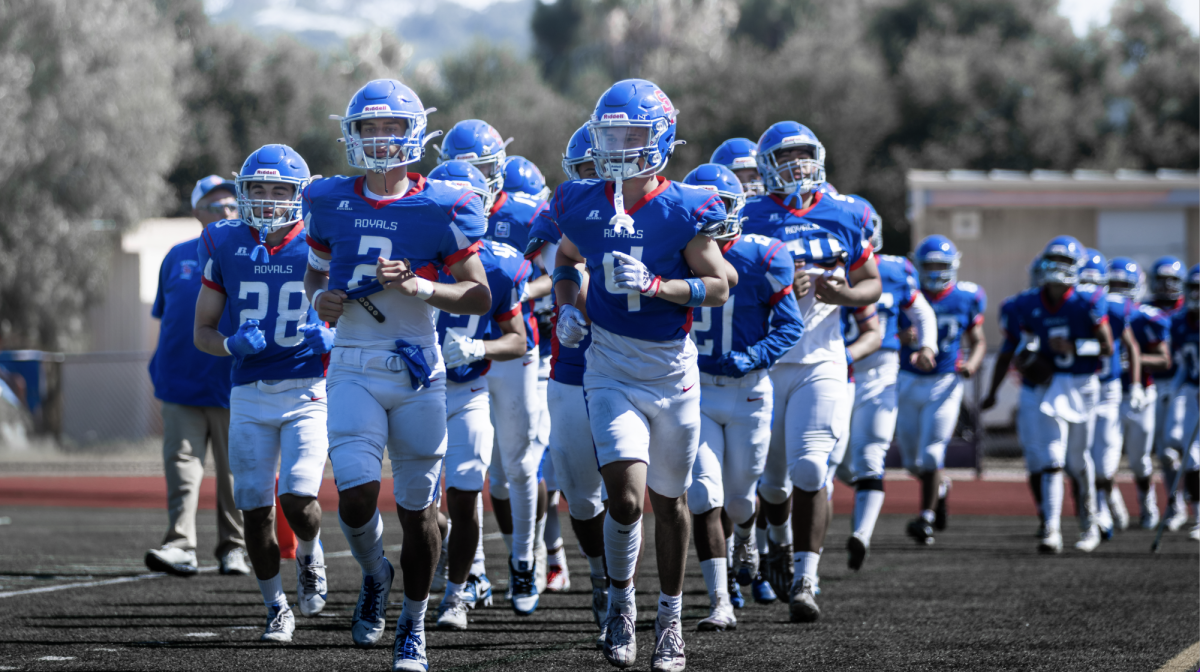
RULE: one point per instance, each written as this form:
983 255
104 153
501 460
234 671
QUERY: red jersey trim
416 186
1054 309
977 321
799 213
509 314
728 244
778 296
312 242
942 294
212 285
663 183
868 253
463 253
500 201
428 272
291 235
771 252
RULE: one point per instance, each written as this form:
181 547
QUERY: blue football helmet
1166 279
1095 269
936 250
1192 289
1062 260
464 176
632 130
875 222
385 98
781 178
521 175
1035 272
1124 277
271 163
579 152
739 154
721 180
477 143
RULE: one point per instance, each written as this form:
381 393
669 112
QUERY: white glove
523 296
461 350
572 326
629 273
622 222
1137 397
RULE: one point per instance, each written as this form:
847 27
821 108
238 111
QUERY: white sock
539 532
366 543
743 533
621 544
715 578
729 550
553 532
804 564
596 566
557 558
670 608
1052 498
272 591
522 498
1102 510
621 599
477 567
867 505
414 612
508 541
780 534
312 547
452 591
761 541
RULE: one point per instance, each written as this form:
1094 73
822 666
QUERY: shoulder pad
968 286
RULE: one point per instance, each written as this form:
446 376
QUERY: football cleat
370 612
802 606
478 588
1088 540
921 531
720 618
1178 519
939 509
599 600
620 641
172 560
311 586
735 592
281 623
745 561
1041 529
1051 543
668 647
452 614
235 562
558 579
408 653
441 573
762 591
1194 534
1106 533
858 549
523 584
780 571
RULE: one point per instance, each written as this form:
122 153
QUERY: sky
1085 13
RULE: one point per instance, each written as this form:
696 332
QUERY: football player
277 406
1184 409
873 418
513 477
1071 327
652 263
1106 439
1151 330
740 156
470 344
833 267
930 398
377 245
523 176
1166 294
736 343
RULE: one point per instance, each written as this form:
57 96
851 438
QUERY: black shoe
921 531
858 551
939 511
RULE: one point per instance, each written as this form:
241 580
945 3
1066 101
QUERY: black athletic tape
869 484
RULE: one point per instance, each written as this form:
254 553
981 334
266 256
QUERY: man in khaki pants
194 388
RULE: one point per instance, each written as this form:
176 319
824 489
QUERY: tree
90 131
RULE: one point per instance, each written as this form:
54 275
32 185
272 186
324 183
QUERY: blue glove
318 340
248 340
418 368
737 364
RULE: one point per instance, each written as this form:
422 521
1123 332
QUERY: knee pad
773 494
497 484
869 484
808 473
739 508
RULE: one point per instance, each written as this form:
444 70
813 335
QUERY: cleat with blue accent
408 653
523 583
761 590
478 589
370 613
281 623
311 586
735 593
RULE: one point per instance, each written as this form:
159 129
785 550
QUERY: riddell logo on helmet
666 102
744 162
466 157
798 140
613 115
266 171
376 108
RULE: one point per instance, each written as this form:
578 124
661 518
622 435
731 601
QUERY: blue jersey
1120 314
761 310
1185 342
182 374
1169 313
567 365
665 221
271 292
827 232
958 308
1150 327
506 272
510 220
900 289
1010 329
434 225
1080 313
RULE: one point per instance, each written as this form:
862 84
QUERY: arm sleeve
542 233
710 216
921 314
206 252
787 325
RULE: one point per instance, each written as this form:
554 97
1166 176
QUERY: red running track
991 498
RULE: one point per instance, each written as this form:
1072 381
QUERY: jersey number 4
289 293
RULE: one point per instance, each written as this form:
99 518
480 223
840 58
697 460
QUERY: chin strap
619 197
259 250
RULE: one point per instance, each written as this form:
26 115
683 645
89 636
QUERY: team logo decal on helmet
271 164
721 181
385 99
940 251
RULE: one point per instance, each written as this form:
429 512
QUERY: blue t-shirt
761 311
271 292
665 221
182 374
506 272
1077 317
1185 341
958 308
567 365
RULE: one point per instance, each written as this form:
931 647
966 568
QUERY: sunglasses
221 206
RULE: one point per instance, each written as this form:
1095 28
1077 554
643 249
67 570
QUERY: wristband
425 289
225 344
316 262
316 295
1087 347
698 292
569 273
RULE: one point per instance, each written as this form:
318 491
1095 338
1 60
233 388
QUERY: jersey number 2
284 313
